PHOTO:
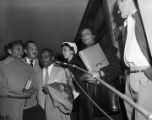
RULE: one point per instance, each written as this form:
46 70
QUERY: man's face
31 51
87 37
17 51
123 8
46 59
67 52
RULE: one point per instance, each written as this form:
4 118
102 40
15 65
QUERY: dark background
48 22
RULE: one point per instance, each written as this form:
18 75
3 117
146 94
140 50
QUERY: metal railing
147 114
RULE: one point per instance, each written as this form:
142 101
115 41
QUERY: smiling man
56 104
31 52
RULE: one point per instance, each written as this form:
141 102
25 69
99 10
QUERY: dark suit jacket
32 101
77 73
113 70
58 75
36 66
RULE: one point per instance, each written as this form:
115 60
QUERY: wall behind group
48 22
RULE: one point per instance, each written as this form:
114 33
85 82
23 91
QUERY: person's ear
94 36
53 58
9 51
25 51
71 51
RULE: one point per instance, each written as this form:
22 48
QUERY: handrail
147 114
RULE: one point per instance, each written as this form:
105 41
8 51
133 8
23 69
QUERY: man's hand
46 90
19 95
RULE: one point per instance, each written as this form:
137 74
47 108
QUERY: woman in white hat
69 51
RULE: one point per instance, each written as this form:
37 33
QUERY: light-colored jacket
15 73
58 74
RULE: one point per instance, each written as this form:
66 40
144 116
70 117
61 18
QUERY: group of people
27 81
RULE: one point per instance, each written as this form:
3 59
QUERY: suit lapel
36 66
141 39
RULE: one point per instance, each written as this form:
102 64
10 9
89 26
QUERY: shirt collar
28 60
126 21
49 68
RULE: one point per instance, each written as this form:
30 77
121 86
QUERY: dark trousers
34 113
82 105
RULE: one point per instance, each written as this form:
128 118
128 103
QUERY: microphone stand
147 114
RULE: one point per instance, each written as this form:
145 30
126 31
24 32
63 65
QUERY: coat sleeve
60 100
3 85
112 71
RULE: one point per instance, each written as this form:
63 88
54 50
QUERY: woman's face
17 51
67 52
87 37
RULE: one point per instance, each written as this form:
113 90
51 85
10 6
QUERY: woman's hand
92 76
95 74
88 78
19 95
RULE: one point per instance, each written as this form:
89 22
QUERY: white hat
73 45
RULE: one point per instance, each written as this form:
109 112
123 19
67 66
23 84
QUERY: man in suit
51 73
14 74
137 58
31 53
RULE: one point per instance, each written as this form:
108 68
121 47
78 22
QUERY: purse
34 113
106 99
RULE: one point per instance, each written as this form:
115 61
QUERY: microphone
61 63
65 64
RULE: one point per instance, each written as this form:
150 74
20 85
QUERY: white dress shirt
133 56
49 71
28 61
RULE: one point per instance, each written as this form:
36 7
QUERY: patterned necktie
31 63
46 76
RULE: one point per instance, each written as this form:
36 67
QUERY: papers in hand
28 84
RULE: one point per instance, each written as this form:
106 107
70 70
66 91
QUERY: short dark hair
47 50
14 43
28 42
89 28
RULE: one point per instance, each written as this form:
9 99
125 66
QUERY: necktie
45 83
31 63
125 33
46 76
